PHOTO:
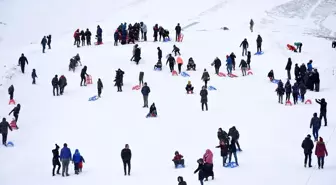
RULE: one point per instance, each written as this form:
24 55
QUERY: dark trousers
16 117
295 97
244 51
43 48
115 42
145 36
234 155
141 82
119 88
299 48
22 68
206 83
83 79
49 46
317 86
4 138
280 99
320 161
224 159
324 115
307 157
62 90
177 52
217 70
128 164
77 42
238 145
171 66
11 95
55 88
302 97
88 41
34 82
258 48
288 74
315 133
76 168
177 162
179 67
99 92
288 96
57 163
248 66
83 42
155 37
206 106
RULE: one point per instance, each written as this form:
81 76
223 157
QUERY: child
271 75
77 159
280 91
34 76
152 111
189 88
178 159
158 65
243 66
100 87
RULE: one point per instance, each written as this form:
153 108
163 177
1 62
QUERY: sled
190 92
157 69
308 102
149 115
11 102
13 125
184 74
249 72
232 75
179 166
137 87
288 103
259 53
220 74
93 98
231 165
275 81
10 144
88 79
174 73
212 88
166 39
180 38
96 43
291 48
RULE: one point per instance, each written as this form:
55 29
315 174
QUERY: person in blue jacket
65 159
310 66
295 93
77 160
99 35
229 64
116 38
315 123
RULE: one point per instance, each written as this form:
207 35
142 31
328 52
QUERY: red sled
12 101
180 38
80 165
308 102
13 125
137 87
190 92
88 79
96 43
249 73
221 74
232 75
291 48
288 103
174 73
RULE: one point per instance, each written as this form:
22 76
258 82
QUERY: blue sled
184 74
259 53
166 39
230 165
179 166
10 144
157 69
275 81
299 98
212 88
93 98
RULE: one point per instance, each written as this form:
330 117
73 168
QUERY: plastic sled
174 73
249 73
10 144
179 166
93 98
212 88
137 87
308 102
275 81
11 102
190 92
149 115
221 74
96 43
230 165
157 69
88 79
180 38
288 103
232 75
166 39
13 125
299 97
259 53
184 74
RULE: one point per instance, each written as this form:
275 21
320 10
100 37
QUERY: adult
11 92
205 77
49 41
229 64
200 170
280 91
191 64
178 30
316 80
62 83
171 61
248 60
55 160
22 62
137 55
55 83
83 76
234 133
82 37
143 31
204 98
65 159
16 112
233 150
156 31
88 37
288 90
208 164
245 46
297 72
126 156
315 123
44 43
99 35
159 54
288 68
217 63
307 146
77 38
259 43
243 66
251 25
323 110
145 92
320 152
99 87
4 126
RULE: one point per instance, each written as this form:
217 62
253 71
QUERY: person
145 92
144 30
251 25
297 72
152 111
229 64
83 76
191 64
271 75
233 58
62 83
316 80
16 112
156 31
234 134
126 156
189 88
55 84
158 66
248 60
176 50
222 135
217 63
119 79
178 159
33 75
245 46
333 45
22 62
298 46
204 98
137 55
233 150
307 145
55 160
82 37
243 66
133 51
99 87
179 61
77 159
205 77
303 90
288 90
116 37
288 68
320 152
315 123
223 145
259 43
208 164
4 126
323 109
49 41
99 35
165 35
200 170
181 181
295 93
161 33
171 61
310 66
77 38
280 91
11 92
44 43
88 37
65 159
159 54
178 30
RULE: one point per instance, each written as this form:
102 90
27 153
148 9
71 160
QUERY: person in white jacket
143 31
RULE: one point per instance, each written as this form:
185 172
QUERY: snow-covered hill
271 134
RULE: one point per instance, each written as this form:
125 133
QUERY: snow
271 134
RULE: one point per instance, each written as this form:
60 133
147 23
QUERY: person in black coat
16 112
288 90
83 76
100 87
259 43
88 37
126 156
137 55
303 70
233 58
200 170
271 75
303 90
307 146
82 35
295 93
217 63
191 64
171 61
233 150
55 83
99 35
55 160
44 43
119 79
205 77
243 66
245 46
316 80
181 181
204 98
11 92
248 61
49 41
323 109
178 30
297 72
224 146
288 68
176 50
222 135
159 53
234 134
4 126
189 88
33 75
62 83
22 62
280 91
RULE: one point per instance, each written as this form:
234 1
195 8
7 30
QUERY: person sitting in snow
158 65
271 75
176 50
152 111
165 35
178 159
189 88
191 64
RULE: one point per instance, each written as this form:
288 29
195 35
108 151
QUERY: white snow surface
271 134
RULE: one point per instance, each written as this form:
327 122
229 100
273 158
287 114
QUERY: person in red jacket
320 152
77 38
178 159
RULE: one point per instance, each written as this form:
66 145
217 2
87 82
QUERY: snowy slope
271 134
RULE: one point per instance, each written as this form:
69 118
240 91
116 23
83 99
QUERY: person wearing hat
205 77
55 160
315 123
189 88
200 170
126 156
181 181
307 146
152 111
320 152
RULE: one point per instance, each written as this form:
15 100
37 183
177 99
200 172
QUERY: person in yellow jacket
179 61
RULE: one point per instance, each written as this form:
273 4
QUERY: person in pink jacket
208 164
